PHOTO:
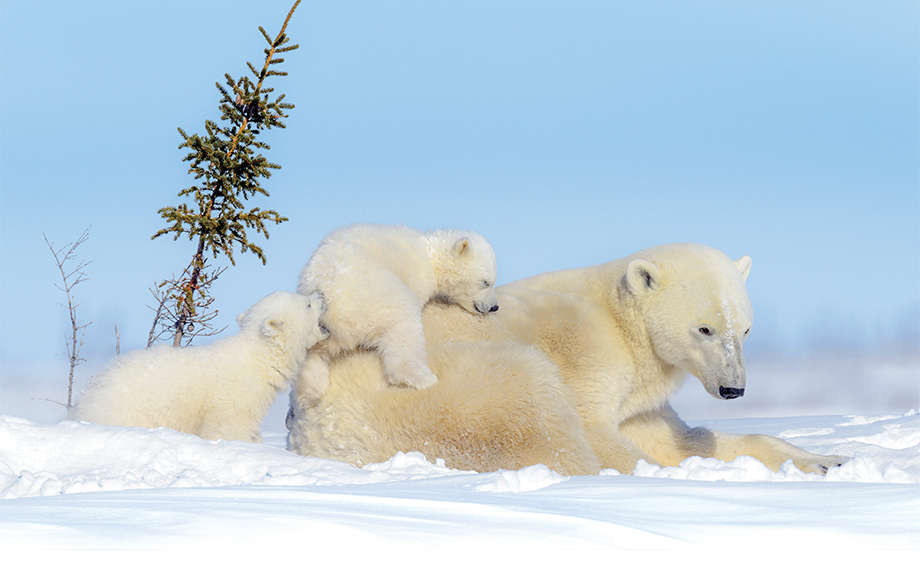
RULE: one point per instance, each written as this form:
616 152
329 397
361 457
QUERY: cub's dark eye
704 330
747 332
486 284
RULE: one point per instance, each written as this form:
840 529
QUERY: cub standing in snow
219 391
376 279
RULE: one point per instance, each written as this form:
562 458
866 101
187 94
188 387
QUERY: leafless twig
187 300
70 279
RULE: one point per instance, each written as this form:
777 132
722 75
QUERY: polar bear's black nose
494 308
730 393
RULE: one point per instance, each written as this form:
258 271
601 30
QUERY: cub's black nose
494 308
730 393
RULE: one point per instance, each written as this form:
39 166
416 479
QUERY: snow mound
528 479
71 457
158 489
859 469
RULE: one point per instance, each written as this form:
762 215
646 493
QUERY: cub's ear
272 327
461 246
317 301
744 266
239 319
642 277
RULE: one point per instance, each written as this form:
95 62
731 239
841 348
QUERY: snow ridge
71 457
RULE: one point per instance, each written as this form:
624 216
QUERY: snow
92 489
71 458
115 498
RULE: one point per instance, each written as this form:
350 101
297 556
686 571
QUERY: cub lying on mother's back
218 391
376 279
574 372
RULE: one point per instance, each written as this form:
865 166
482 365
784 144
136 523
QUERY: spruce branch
254 107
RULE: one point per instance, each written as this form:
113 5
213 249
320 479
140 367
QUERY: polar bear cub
218 391
376 279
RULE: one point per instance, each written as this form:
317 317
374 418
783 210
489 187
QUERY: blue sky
568 133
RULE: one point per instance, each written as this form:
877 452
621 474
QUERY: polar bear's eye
486 284
747 332
704 330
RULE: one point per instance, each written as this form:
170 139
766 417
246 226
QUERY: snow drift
144 480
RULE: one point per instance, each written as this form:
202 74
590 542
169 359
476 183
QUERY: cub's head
697 312
286 319
466 270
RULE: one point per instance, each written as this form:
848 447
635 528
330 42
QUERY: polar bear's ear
461 246
642 276
744 266
272 327
239 319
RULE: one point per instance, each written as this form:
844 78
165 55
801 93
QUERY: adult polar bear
575 371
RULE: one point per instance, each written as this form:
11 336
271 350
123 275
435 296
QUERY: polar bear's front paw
829 461
819 464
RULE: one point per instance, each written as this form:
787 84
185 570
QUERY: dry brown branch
193 301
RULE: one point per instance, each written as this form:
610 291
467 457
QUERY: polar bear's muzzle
730 392
486 308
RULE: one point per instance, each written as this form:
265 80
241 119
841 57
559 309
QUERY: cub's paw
419 379
423 381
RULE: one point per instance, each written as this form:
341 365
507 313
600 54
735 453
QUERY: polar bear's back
363 251
500 405
372 278
146 388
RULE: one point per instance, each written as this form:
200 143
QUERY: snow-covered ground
126 496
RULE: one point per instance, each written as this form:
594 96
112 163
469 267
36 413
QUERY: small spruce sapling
228 167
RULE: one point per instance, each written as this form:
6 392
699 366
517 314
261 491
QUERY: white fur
621 337
376 279
219 391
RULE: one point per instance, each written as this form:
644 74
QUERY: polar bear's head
287 320
697 311
466 270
